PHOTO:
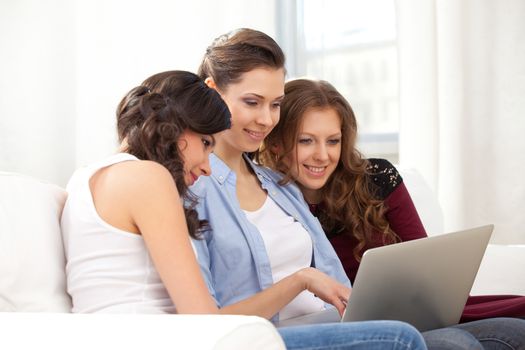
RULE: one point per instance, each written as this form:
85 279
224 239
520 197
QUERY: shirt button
221 177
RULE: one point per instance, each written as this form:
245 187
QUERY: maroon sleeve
402 215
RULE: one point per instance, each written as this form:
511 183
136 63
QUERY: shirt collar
259 170
220 171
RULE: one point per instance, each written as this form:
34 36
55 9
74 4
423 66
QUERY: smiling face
195 149
317 152
254 102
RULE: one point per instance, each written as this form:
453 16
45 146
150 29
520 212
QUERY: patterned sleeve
401 212
384 176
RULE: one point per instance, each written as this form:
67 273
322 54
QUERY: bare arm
270 301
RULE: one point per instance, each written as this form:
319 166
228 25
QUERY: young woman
123 212
361 203
127 234
247 267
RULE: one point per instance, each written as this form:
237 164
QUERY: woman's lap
353 335
488 334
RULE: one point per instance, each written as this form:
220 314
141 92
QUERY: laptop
424 282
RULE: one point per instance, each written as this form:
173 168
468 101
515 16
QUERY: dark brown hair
238 52
348 195
152 116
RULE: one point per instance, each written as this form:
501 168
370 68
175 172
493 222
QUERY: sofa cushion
31 250
138 331
425 201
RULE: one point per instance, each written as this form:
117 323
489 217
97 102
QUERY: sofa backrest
32 263
425 201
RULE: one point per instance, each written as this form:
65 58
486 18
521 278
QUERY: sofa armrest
501 271
137 331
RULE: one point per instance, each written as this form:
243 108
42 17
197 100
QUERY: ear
182 142
211 83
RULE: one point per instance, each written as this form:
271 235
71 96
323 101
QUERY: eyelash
334 141
207 143
252 103
306 141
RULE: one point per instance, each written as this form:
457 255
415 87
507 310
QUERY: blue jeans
365 335
489 334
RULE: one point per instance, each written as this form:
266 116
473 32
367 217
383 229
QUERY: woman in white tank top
126 232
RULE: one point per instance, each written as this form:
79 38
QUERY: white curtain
462 108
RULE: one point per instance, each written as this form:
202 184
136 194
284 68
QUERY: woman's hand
325 287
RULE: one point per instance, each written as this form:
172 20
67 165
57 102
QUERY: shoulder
384 176
274 179
143 177
268 173
143 171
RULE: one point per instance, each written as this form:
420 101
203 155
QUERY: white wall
37 97
65 64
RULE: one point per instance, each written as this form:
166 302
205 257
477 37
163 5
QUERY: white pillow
32 263
425 200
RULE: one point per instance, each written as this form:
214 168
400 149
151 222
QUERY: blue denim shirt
232 255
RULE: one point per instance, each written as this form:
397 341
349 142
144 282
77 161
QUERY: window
352 44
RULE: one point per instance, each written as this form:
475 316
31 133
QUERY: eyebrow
262 97
339 134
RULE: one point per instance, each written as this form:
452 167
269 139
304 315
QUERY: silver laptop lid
425 282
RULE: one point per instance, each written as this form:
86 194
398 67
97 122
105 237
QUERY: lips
315 171
256 135
193 178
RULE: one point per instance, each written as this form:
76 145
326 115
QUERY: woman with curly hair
363 203
122 213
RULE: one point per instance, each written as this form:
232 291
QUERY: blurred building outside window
353 45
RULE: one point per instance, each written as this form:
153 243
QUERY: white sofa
34 304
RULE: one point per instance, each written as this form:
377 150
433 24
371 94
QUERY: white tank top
289 249
108 269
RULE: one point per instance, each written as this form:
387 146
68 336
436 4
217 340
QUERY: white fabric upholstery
424 199
31 251
137 331
501 271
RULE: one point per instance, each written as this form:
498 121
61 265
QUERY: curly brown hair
152 117
349 200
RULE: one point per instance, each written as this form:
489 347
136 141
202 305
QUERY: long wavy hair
152 117
237 52
349 199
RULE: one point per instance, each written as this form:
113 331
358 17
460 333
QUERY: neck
311 196
233 158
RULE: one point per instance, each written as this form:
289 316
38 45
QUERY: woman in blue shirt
266 254
248 266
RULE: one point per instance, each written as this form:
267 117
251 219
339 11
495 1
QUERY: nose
321 153
266 117
205 167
